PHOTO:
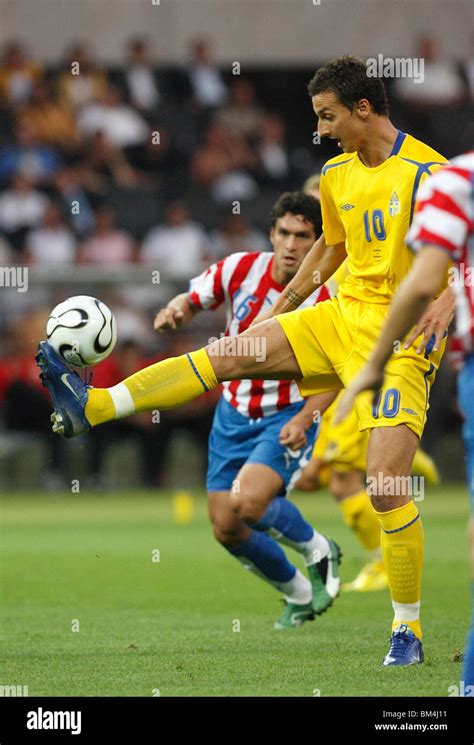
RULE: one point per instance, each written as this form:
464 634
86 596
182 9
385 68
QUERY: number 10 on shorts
390 400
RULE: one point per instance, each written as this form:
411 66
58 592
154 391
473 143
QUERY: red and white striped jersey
243 281
445 218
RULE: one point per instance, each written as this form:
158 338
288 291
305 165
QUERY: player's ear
363 108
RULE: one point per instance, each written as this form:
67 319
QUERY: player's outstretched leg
262 555
166 384
389 458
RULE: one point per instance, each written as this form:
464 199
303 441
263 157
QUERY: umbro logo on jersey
394 205
346 207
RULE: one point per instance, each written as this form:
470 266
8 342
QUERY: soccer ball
82 330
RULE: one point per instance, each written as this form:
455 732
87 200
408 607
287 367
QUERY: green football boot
325 580
294 615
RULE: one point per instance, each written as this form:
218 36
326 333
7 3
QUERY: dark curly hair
298 203
347 78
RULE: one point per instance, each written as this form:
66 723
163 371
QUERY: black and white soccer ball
82 330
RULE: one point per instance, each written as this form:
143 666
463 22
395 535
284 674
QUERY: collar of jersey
400 139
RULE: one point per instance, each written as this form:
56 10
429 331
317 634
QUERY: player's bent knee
247 508
228 537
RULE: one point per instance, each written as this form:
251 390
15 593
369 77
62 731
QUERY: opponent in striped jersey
245 283
263 430
442 232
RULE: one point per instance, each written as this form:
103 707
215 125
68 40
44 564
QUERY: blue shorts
466 402
236 440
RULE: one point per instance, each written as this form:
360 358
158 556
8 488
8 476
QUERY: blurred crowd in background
144 165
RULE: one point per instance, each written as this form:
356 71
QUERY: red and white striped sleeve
443 215
206 291
211 288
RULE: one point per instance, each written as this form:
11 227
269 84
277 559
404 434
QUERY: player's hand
435 320
369 379
293 435
168 318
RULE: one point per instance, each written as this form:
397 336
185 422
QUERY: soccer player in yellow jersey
338 462
367 198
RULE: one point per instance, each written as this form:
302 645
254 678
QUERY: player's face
291 237
337 122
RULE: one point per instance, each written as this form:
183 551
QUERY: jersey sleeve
333 228
442 213
206 291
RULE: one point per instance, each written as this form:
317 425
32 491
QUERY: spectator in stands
81 81
52 242
242 117
21 208
107 246
235 234
442 84
272 150
207 83
160 163
74 200
37 162
18 74
103 163
121 125
142 83
225 161
53 122
215 158
178 248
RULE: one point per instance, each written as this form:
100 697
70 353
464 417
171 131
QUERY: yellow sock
402 551
361 517
161 386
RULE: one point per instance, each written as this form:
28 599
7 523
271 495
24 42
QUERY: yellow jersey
370 209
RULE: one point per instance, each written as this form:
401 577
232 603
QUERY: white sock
406 611
298 590
314 550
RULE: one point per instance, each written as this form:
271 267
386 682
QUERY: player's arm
410 302
206 292
293 433
318 266
324 258
178 312
434 321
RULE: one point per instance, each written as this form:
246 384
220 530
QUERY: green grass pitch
145 627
